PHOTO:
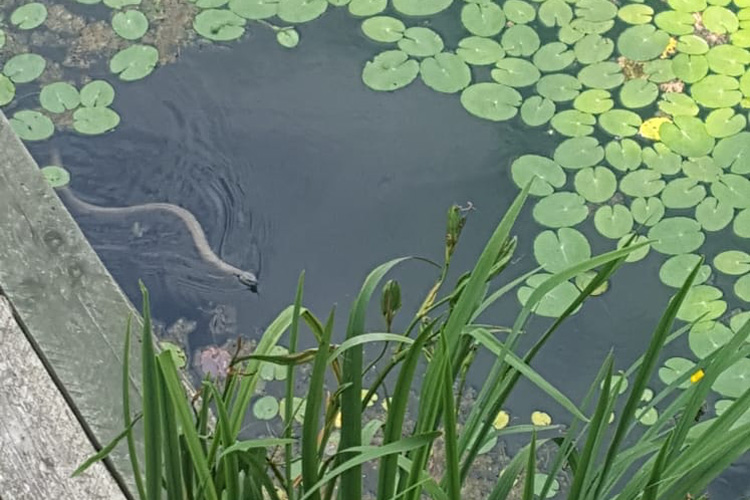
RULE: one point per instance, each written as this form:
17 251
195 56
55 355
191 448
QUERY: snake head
249 280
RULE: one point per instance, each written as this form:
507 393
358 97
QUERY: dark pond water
289 162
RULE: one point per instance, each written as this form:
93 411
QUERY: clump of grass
195 451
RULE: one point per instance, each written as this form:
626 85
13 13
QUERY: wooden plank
41 442
62 292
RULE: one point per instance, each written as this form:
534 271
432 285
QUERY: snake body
247 278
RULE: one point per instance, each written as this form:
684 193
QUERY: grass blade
171 441
367 338
104 452
452 476
651 492
508 477
132 453
528 486
289 407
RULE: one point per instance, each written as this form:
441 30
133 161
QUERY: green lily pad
638 93
728 60
519 12
676 104
702 169
595 10
491 101
602 75
556 250
367 8
549 175
130 24
210 4
642 183
690 68
7 90
734 153
676 270
421 7
720 20
520 41
624 155
676 235
215 24
741 225
742 288
24 68
724 122
687 136
706 337
515 72
675 22
741 38
390 70
569 35
483 19
94 121
266 408
613 222
735 380
573 123
254 9
56 176
2 38
119 4
584 279
554 56
555 13
301 11
673 369
659 70
579 152
702 302
620 122
299 406
692 44
594 101
635 255
717 91
287 37
31 125
537 110
713 215
688 5
555 302
421 42
661 159
738 320
647 211
59 97
540 480
558 87
136 62
642 42
732 189
97 93
636 13
733 262
480 51
445 72
29 16
561 209
682 193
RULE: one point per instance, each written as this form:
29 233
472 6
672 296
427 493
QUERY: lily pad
724 122
635 13
595 10
594 101
706 337
2 38
555 13
733 262
642 183
482 19
579 152
638 93
254 9
59 97
659 70
540 480
742 288
558 87
735 380
7 90
24 68
738 320
537 110
602 75
676 270
732 189
421 7
29 16
661 159
675 22
119 4
266 408
515 72
569 35
687 136
94 121
491 101
561 209
209 4
137 61
741 224
390 70
688 5
728 60
717 91
692 44
97 93
624 155
620 122
549 175
573 123
554 56
445 72
734 153
702 302
480 51
556 250
56 176
713 215
520 41
676 235
673 369
301 11
130 24
702 169
299 405
555 302
584 279
642 42
676 104
31 125
519 12
720 20
682 193
613 222
287 37
690 68
635 255
215 24
421 42
367 8
647 211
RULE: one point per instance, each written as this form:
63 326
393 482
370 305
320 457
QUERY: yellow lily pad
650 128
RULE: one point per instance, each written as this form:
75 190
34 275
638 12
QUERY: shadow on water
289 162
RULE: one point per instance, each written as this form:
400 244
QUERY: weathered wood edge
64 296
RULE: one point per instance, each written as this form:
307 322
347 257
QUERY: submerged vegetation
332 434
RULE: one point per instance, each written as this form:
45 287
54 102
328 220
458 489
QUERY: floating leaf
383 29
733 262
266 408
24 68
647 211
540 480
602 75
254 9
554 56
734 153
298 408
421 7
210 4
556 250
515 72
620 122
7 90
445 73
569 35
635 255
97 93
579 152
561 209
595 10
482 19
390 70
690 69
687 136
676 235
555 13
214 24
287 37
741 225
555 302
674 22
138 61
613 221
56 176
676 104
638 93
720 20
93 121
480 51
118 4
301 11
519 12
675 368
2 38
734 381
642 183
661 159
724 122
688 5
573 123
584 279
713 215
742 288
624 155
366 8
703 169
682 193
702 302
29 16
732 189
738 320
31 125
636 13
130 24
520 41
59 97
594 101
692 44
558 87
537 110
647 417
650 129
659 70
491 101
642 42
676 270
741 38
549 175
706 337
421 42
728 60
